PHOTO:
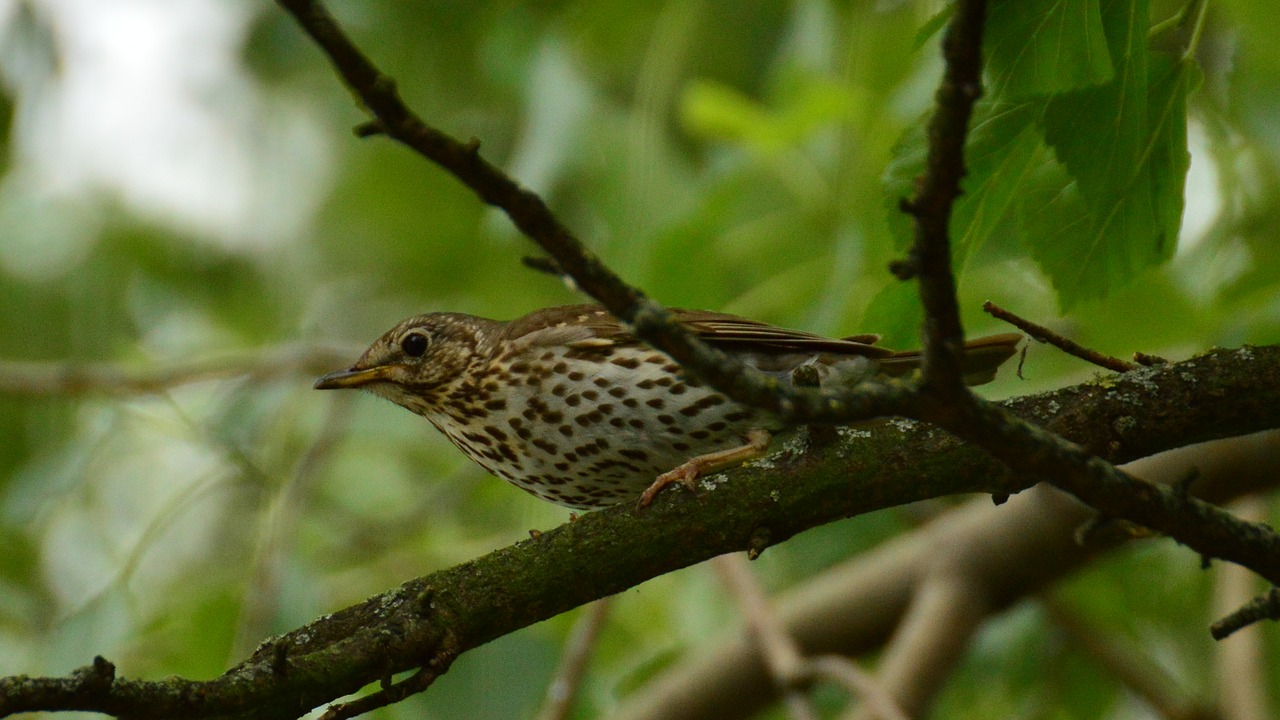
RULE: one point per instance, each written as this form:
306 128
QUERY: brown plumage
567 404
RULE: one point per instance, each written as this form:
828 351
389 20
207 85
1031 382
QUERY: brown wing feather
714 327
982 355
731 330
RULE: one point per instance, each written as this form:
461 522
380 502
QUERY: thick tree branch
428 621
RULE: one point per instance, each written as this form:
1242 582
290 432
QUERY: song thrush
567 404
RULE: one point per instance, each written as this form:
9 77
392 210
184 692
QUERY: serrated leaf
1117 209
1044 47
1099 133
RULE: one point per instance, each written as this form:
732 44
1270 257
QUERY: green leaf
1003 148
895 314
713 110
933 26
1043 47
1099 133
1117 209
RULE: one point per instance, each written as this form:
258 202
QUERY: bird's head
411 362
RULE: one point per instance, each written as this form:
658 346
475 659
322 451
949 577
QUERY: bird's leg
756 443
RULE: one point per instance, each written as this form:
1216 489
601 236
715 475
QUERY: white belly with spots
589 433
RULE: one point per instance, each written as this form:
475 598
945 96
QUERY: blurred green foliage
747 157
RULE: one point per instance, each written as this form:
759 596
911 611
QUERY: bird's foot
755 445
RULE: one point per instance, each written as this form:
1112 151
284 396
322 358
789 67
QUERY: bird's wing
740 333
585 326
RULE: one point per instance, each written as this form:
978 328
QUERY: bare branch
1063 343
930 256
68 378
389 694
1241 666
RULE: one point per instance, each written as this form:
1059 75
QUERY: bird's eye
414 344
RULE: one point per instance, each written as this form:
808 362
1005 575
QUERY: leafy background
180 181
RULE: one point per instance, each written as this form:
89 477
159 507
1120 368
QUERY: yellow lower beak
351 378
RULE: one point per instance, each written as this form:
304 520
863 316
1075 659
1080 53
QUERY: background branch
792 672
564 686
20 378
1138 671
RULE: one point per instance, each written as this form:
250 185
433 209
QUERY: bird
568 404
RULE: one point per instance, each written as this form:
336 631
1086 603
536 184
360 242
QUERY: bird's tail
982 356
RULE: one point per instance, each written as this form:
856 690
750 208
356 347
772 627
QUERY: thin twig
390 694
1263 607
564 686
543 265
930 255
1063 343
1241 660
1149 360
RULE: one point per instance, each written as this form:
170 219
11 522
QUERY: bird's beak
351 378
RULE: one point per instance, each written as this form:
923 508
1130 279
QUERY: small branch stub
1063 343
1263 607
